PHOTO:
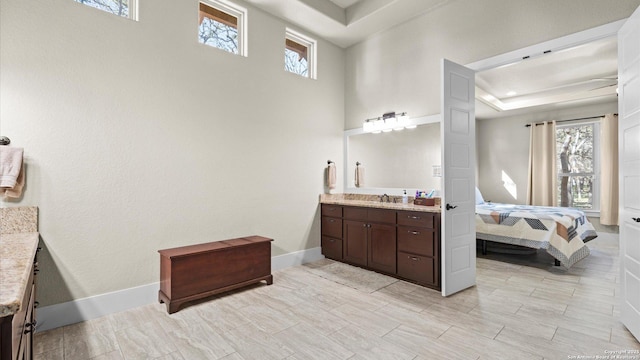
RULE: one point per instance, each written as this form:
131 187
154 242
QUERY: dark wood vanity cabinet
419 247
405 244
331 230
16 330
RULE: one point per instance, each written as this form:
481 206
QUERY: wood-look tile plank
375 322
488 348
426 347
199 341
55 354
48 341
422 323
367 345
485 327
251 342
114 355
146 340
307 343
269 319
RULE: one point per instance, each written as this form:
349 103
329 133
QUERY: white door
629 155
459 166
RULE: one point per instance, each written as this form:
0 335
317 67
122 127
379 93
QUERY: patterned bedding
561 231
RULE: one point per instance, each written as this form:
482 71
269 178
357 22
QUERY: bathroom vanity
18 266
401 240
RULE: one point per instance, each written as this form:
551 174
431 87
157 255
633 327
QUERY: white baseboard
54 316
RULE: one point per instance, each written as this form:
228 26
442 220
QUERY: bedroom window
223 25
577 147
299 54
124 8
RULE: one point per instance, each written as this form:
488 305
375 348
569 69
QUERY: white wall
399 69
137 138
503 149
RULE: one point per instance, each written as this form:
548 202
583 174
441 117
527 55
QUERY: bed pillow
479 198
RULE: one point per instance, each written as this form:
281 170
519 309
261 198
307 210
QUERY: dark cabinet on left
331 231
16 330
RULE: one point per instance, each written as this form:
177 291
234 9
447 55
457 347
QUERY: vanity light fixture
387 122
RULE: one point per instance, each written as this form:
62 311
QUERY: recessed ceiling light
512 93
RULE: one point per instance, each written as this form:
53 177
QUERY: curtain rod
584 118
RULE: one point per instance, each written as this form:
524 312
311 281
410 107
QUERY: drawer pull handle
413 258
413 217
414 232
331 220
29 327
36 304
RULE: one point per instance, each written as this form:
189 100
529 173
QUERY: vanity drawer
331 210
417 268
415 218
415 240
354 213
331 227
382 216
332 248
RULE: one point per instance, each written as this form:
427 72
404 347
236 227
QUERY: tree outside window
116 7
576 147
295 58
218 29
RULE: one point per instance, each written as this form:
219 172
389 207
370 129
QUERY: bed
562 232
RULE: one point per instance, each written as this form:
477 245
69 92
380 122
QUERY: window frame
239 13
311 45
595 210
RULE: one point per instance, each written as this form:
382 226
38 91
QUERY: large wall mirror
395 160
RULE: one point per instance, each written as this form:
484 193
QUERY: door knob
449 206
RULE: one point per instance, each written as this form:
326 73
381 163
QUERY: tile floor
521 308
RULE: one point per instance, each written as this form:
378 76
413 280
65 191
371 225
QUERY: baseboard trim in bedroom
71 312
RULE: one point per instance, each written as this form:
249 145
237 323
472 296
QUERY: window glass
296 58
576 163
300 54
117 7
218 29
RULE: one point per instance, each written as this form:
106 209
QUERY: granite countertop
17 252
366 201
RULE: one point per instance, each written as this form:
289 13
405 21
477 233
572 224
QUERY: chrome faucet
383 196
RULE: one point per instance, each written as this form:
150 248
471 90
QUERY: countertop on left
17 252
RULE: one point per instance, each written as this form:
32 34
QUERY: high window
124 8
223 25
578 163
300 54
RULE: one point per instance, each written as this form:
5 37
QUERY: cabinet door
382 248
355 242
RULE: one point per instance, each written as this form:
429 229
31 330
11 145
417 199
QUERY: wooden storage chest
196 271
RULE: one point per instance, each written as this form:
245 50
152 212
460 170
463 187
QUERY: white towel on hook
11 171
331 176
359 177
